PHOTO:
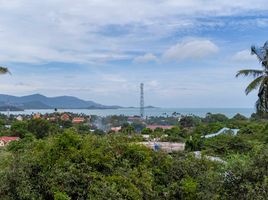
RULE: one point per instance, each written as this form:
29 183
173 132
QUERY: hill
38 101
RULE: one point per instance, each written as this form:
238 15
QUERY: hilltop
38 101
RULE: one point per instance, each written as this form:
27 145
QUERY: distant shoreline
229 112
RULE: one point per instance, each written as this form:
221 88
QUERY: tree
4 70
19 128
215 118
260 78
239 117
39 127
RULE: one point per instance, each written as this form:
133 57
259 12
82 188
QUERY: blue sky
185 52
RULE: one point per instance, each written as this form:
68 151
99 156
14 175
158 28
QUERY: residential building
78 120
5 140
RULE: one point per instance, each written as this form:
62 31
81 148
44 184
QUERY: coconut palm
260 81
4 70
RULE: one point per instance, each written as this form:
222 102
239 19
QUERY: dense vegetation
51 162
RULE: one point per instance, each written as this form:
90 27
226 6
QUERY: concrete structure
164 146
142 101
5 140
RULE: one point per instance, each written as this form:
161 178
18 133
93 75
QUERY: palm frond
254 84
4 70
258 52
261 53
250 72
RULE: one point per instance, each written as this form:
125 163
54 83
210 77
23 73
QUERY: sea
201 112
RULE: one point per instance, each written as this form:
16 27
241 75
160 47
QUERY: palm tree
260 81
4 70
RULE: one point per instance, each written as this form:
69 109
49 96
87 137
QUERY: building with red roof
5 140
78 120
65 117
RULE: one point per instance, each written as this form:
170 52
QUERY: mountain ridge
39 101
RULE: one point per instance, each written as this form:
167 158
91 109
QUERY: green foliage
189 121
189 188
212 118
146 131
19 129
66 124
66 164
239 117
61 196
138 126
114 187
174 135
127 129
40 127
226 144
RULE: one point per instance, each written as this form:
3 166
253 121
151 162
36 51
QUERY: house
116 129
78 120
65 117
37 116
164 127
19 118
5 140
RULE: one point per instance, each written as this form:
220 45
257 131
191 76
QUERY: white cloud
148 57
243 55
113 78
191 49
153 84
64 31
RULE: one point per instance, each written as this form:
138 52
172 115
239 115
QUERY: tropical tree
4 70
260 81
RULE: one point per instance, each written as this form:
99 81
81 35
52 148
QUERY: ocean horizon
201 112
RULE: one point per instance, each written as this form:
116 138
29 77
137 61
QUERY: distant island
38 101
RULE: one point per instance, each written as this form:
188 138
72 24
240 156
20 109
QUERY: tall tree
4 70
260 81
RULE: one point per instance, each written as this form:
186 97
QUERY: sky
185 52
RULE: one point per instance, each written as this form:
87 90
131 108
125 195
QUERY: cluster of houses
5 140
55 117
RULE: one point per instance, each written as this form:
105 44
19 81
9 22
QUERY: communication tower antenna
8 109
142 100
